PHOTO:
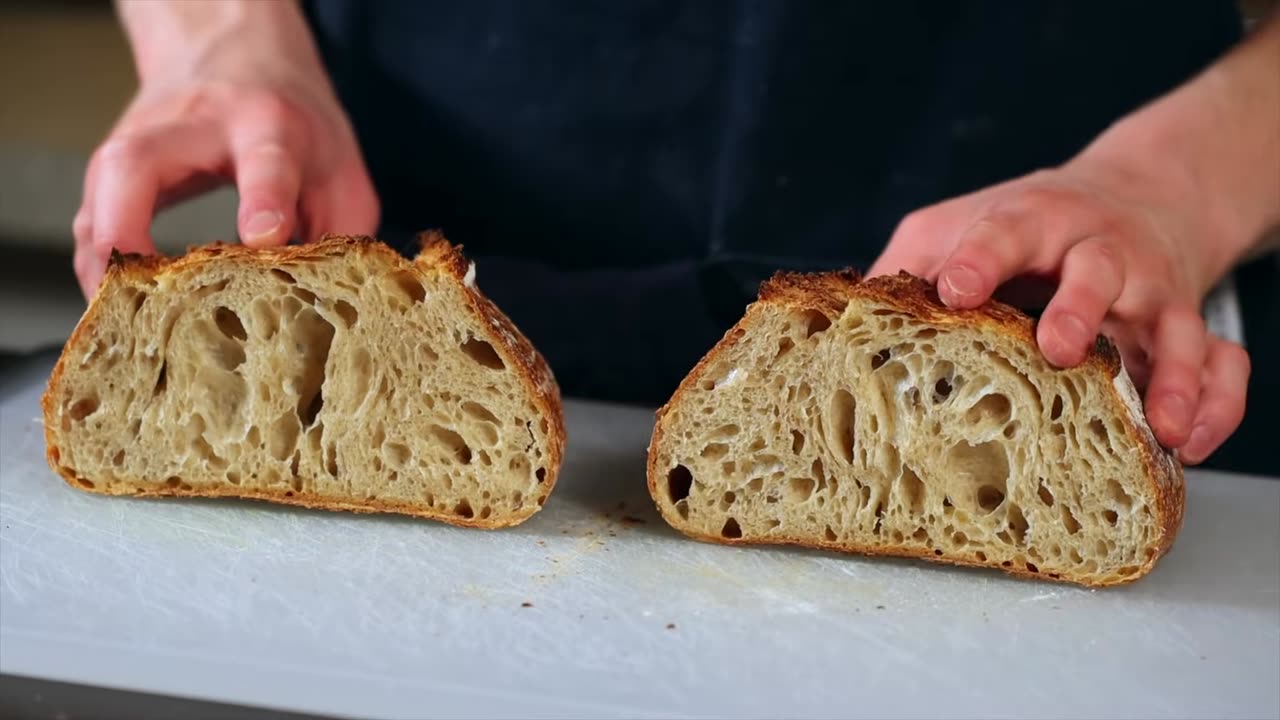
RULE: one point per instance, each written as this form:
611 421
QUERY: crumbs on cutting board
526 604
671 626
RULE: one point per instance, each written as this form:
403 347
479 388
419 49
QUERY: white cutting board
379 616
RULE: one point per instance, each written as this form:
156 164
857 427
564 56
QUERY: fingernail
263 222
962 282
1197 446
1176 411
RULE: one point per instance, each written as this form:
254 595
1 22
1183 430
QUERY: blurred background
66 73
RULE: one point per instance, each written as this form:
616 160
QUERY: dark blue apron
626 172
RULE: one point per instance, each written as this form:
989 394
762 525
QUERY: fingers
122 184
914 246
1177 355
919 245
346 205
1222 400
1092 279
992 250
269 179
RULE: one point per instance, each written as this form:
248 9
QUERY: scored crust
436 256
831 292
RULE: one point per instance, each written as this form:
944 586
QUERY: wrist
177 38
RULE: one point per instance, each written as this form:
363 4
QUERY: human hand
1130 258
230 92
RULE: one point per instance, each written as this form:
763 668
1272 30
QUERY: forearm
1215 142
176 37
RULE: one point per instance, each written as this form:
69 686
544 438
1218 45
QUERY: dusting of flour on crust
1129 397
470 278
734 376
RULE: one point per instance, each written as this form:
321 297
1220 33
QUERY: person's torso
679 151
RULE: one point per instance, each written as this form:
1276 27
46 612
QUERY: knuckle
128 149
1237 358
917 222
274 110
82 225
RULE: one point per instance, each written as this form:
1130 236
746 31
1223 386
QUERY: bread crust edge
831 292
437 254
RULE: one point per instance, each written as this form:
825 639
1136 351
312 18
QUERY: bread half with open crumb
864 416
333 375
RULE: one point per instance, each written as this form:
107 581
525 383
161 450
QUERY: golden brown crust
436 256
830 292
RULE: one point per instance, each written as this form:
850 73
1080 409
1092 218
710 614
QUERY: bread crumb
671 626
526 604
632 520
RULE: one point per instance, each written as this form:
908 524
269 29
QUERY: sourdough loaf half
864 416
334 375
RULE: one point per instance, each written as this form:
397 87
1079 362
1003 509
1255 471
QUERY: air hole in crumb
989 498
829 534
1046 497
731 529
797 441
941 390
485 512
118 459
540 474
980 556
480 412
800 489
483 354
172 481
880 359
1032 568
453 441
397 454
1056 411
283 276
843 412
994 408
161 379
85 483
913 491
1111 517
83 408
784 347
409 284
938 552
715 451
463 509
815 322
233 477
1017 524
755 485
304 295
350 316
1069 520
725 431
1118 495
679 483
229 324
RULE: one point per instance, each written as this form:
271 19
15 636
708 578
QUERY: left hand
1129 257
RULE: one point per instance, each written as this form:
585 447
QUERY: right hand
239 100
